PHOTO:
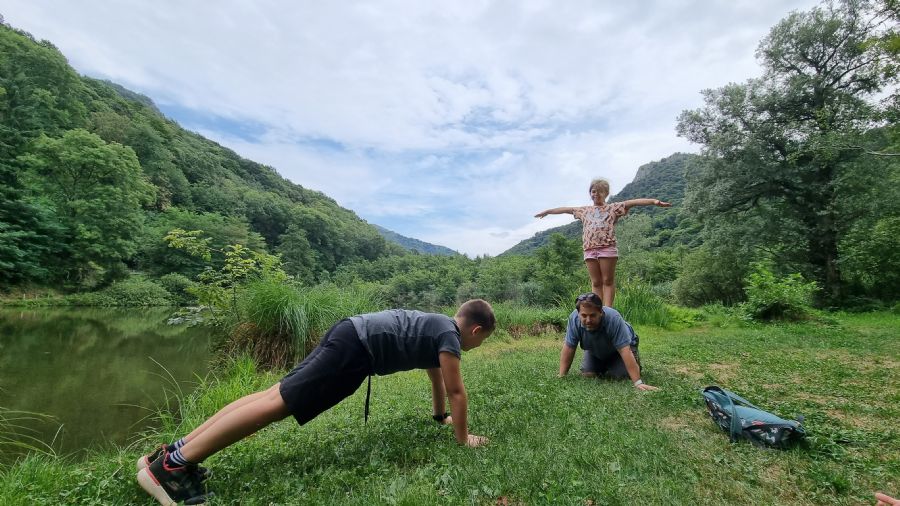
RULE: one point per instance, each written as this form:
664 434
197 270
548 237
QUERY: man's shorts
331 373
611 367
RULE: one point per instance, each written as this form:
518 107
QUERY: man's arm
565 359
438 394
459 402
634 370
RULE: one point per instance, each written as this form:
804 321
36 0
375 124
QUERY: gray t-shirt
613 334
400 339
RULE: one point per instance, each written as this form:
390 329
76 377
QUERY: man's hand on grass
447 421
644 386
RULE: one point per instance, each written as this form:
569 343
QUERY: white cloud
451 125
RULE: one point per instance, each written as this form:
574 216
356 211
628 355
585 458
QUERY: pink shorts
605 252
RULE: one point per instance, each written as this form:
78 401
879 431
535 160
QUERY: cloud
451 125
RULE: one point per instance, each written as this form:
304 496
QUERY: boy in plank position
353 349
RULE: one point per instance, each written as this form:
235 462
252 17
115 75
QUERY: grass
557 441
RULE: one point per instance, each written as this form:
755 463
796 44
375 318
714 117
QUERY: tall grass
279 323
16 433
639 305
511 315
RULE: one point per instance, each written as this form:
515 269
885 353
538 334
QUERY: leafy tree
96 190
560 268
157 258
785 139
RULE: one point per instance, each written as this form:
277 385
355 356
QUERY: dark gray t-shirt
400 339
613 334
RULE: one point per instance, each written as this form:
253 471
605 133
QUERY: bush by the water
177 285
279 323
136 291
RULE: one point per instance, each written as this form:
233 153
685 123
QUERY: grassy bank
562 441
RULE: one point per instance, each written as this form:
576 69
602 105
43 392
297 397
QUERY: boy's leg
235 424
607 266
224 411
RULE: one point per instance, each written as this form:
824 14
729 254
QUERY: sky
450 122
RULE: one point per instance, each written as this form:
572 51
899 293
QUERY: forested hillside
92 177
414 244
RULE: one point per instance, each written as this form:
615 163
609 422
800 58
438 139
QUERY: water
94 371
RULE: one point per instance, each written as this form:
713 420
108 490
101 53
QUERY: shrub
279 323
136 291
770 297
177 285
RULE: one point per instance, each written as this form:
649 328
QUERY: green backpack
741 419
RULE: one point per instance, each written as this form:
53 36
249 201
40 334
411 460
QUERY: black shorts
611 366
329 374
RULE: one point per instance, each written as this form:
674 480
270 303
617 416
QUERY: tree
96 190
786 139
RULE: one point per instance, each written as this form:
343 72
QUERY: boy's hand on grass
475 441
646 387
885 500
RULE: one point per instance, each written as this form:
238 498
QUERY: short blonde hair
600 184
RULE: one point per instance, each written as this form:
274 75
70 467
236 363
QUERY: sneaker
171 485
144 461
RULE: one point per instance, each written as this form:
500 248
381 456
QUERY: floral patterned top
599 223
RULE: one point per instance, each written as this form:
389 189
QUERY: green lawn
561 441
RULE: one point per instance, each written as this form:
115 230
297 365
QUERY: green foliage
218 289
871 258
771 298
707 277
96 190
135 291
178 286
279 323
783 146
640 306
98 157
560 269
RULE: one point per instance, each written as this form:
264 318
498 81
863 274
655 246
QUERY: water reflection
95 370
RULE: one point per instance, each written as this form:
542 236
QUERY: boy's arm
565 359
459 403
438 394
645 202
555 210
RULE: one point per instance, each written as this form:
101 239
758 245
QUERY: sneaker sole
142 462
152 487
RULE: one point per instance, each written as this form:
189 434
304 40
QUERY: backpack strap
734 428
739 399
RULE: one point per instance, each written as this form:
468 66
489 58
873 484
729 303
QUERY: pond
98 374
